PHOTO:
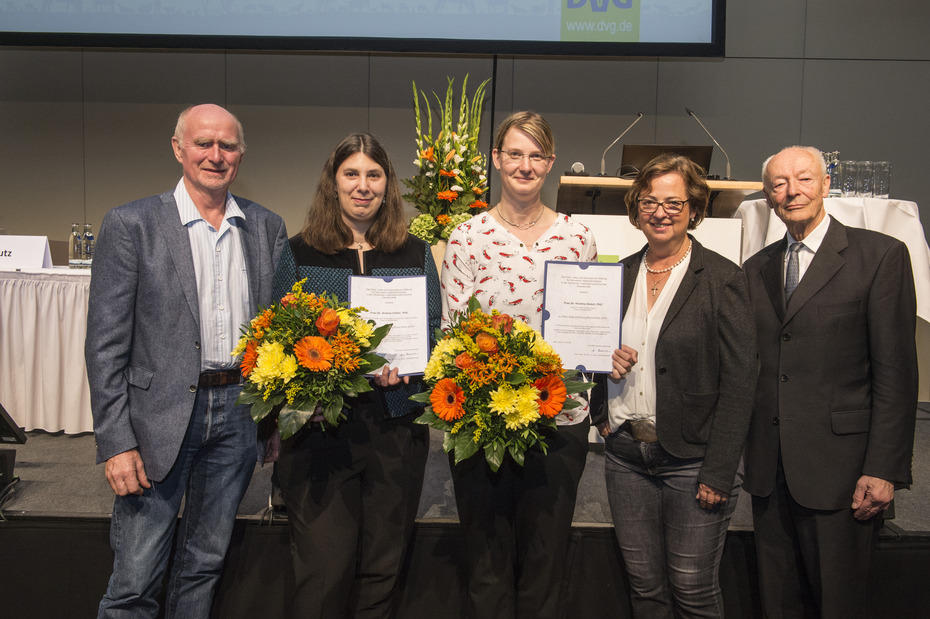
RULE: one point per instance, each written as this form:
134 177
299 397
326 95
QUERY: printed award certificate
583 313
401 302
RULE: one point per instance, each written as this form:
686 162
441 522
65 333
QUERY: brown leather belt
219 378
643 430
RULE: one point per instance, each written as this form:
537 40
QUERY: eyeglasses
515 156
648 206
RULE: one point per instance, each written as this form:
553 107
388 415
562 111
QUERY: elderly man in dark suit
833 424
174 277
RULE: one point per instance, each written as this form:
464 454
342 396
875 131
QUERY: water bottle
89 244
75 247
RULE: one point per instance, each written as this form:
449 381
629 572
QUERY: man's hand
709 498
623 360
871 497
126 473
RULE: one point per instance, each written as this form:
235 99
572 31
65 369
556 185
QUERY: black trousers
352 495
517 523
812 563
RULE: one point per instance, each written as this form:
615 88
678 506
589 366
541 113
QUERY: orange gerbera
328 322
249 357
314 353
478 204
447 195
486 342
447 399
552 395
447 173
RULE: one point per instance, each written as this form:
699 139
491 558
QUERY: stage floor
58 478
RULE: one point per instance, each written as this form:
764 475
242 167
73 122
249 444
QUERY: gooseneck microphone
698 120
639 116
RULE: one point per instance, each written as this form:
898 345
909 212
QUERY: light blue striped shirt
222 280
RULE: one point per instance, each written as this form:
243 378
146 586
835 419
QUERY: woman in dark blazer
675 411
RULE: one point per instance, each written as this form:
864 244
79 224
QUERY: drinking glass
881 179
849 178
864 180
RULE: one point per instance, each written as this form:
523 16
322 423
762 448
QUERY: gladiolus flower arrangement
304 356
493 384
452 172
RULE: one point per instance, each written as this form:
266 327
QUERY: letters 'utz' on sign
24 252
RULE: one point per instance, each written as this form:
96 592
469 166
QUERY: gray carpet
58 477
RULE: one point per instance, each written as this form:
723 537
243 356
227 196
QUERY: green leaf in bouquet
290 420
422 397
465 445
261 408
517 452
332 412
357 384
577 386
473 304
494 454
371 361
247 396
448 441
570 404
428 417
516 378
438 334
378 335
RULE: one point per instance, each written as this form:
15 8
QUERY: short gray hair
181 125
813 151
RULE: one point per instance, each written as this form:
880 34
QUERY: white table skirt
897 218
43 322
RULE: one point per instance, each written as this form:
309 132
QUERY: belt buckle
643 430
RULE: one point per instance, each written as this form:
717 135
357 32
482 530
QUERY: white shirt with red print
485 260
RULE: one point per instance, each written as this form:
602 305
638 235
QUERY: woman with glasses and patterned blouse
517 520
675 411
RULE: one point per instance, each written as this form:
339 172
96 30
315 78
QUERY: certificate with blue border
401 302
583 312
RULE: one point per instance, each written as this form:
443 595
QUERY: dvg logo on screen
599 6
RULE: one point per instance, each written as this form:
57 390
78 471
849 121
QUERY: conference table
43 321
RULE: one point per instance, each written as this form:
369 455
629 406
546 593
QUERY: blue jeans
211 474
671 547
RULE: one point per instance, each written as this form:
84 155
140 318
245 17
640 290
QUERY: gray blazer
143 324
705 365
837 394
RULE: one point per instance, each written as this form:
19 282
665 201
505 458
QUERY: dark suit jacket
705 366
838 381
143 323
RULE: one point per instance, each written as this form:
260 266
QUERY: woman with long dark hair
352 491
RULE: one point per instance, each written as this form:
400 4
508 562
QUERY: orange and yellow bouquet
304 355
494 384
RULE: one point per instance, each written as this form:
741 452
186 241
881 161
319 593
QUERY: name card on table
24 252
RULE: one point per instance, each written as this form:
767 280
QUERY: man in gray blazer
832 430
174 277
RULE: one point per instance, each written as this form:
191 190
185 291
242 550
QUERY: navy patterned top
330 273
